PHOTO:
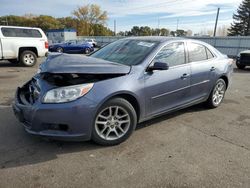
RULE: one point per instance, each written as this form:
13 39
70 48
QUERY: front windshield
126 51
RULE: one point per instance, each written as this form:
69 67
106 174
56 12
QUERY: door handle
184 76
212 69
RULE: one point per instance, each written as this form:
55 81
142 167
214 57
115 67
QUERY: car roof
162 39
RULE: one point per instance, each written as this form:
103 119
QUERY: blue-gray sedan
102 97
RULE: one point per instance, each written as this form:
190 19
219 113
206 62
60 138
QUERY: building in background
60 35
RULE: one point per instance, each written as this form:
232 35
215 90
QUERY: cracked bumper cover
65 121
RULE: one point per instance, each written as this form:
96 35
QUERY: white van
22 44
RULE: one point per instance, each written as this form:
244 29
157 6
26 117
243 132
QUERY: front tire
28 58
240 66
114 122
217 95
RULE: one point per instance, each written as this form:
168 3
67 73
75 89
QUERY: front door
167 89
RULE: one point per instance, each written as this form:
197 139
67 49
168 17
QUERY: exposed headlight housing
67 94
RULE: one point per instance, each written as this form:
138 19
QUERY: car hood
245 52
79 64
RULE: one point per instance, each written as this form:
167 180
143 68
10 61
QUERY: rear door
203 69
167 89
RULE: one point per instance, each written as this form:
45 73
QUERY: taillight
46 44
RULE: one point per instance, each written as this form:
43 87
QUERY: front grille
245 58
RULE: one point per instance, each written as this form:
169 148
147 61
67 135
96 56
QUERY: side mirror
158 66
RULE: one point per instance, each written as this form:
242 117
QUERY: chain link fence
230 46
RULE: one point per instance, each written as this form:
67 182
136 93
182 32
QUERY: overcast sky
196 15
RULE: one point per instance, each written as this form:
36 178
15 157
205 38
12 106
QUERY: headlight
67 94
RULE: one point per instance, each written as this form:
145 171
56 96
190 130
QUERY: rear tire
114 122
217 95
87 51
59 50
240 66
28 58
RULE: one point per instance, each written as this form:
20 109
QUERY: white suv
22 44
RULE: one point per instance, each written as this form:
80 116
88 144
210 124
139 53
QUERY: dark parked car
243 59
72 47
104 96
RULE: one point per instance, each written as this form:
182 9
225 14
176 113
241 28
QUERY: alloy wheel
112 123
29 59
218 93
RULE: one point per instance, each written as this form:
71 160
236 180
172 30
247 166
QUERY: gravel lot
194 147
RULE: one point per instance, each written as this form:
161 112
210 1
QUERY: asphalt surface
195 147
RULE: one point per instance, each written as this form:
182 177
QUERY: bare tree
88 16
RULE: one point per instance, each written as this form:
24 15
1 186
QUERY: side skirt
192 103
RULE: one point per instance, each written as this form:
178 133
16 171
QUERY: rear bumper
42 53
69 121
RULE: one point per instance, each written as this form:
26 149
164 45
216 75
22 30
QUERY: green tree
241 23
47 22
164 32
135 31
68 22
145 31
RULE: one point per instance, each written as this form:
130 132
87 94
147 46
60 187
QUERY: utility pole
159 27
216 21
115 27
177 24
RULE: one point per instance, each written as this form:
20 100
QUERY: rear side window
209 54
172 54
19 32
197 52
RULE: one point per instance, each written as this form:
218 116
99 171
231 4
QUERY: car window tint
19 32
173 54
209 54
196 52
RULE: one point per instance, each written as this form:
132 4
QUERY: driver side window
172 54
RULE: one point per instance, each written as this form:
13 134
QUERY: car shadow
17 148
8 64
246 70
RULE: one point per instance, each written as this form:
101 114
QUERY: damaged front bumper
64 121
